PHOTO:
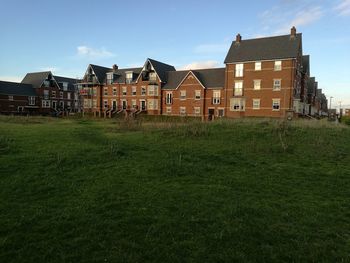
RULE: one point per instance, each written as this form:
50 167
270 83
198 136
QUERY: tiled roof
36 78
14 88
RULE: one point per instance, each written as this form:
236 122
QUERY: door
124 105
54 105
114 105
143 105
211 114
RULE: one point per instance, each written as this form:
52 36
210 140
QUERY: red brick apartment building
39 93
263 77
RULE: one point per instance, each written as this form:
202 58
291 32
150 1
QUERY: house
16 98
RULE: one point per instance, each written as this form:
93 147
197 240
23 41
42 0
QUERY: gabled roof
36 78
100 72
161 69
14 88
269 48
209 78
306 64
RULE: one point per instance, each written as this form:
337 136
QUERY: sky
65 36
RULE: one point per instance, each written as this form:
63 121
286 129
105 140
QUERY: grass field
75 190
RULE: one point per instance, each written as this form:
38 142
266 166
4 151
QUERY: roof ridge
259 38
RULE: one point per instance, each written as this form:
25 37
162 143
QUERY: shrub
345 120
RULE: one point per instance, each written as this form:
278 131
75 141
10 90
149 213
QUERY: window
46 94
105 91
129 77
278 65
197 94
124 91
133 91
152 90
238 88
61 94
169 98
182 94
152 104
197 111
65 86
216 96
258 66
68 104
143 91
124 104
53 94
45 104
114 91
105 104
94 103
94 91
10 97
221 112
168 110
277 84
110 78
62 104
257 84
68 95
31 100
239 70
256 104
237 104
134 104
152 76
276 104
182 111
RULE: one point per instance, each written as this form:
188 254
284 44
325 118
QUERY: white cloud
280 19
343 8
11 78
92 53
52 69
201 65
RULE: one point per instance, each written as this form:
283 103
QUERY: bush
345 120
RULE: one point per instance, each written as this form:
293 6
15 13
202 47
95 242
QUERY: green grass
84 190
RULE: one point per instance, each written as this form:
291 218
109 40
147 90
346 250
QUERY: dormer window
110 78
65 86
128 76
278 65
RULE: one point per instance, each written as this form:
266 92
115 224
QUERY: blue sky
65 36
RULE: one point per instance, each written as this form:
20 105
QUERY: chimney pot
115 67
238 38
293 31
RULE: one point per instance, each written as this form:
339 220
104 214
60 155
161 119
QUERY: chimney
293 31
238 38
115 67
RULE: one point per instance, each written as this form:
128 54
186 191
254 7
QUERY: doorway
211 114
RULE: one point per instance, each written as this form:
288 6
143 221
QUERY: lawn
84 190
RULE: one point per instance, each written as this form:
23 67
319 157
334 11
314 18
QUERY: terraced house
262 77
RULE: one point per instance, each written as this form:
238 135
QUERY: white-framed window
168 110
239 70
152 104
238 91
216 96
237 104
61 94
197 111
124 91
133 90
94 103
46 94
45 104
143 91
152 90
129 77
221 112
278 65
115 91
169 98
68 103
256 104
105 91
109 78
182 94
65 86
62 104
53 94
105 104
257 84
276 104
134 104
258 66
182 111
68 95
197 95
31 100
152 76
10 97
94 91
277 83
